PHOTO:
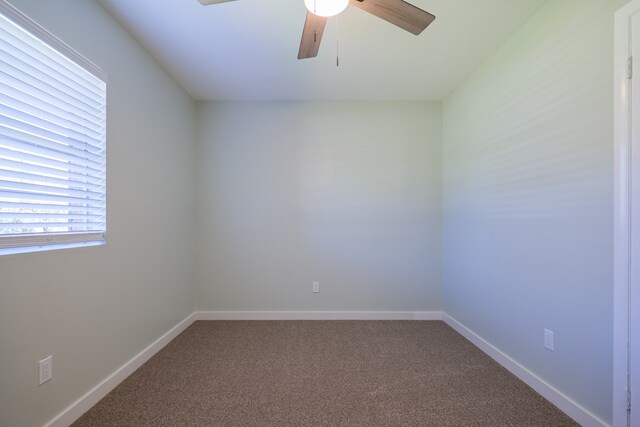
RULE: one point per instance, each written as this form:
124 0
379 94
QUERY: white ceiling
247 49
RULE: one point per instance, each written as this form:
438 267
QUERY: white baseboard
318 315
82 405
564 403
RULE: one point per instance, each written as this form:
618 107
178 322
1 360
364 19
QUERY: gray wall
345 193
527 155
95 308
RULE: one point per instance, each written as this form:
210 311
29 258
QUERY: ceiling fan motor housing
326 7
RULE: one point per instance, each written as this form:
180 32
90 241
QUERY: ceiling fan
397 12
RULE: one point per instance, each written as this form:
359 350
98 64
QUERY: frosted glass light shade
326 7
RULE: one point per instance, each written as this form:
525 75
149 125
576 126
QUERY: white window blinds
52 139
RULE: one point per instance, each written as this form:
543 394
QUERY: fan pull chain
315 30
337 44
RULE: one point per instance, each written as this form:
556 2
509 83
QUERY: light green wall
527 159
95 308
345 193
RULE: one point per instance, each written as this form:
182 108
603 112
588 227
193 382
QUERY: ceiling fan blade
398 12
311 36
208 2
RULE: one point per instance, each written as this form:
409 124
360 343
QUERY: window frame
25 242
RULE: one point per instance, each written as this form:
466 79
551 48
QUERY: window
52 139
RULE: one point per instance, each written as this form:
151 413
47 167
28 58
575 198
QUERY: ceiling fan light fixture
326 7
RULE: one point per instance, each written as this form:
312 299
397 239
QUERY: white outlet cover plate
45 370
548 339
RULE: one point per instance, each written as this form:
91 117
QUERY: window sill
31 249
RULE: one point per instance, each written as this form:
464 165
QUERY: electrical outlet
316 287
45 370
548 339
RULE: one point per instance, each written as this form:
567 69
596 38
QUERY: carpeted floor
322 373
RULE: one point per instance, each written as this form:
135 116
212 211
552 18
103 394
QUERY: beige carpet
327 373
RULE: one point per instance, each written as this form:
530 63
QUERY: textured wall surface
345 193
94 308
528 149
